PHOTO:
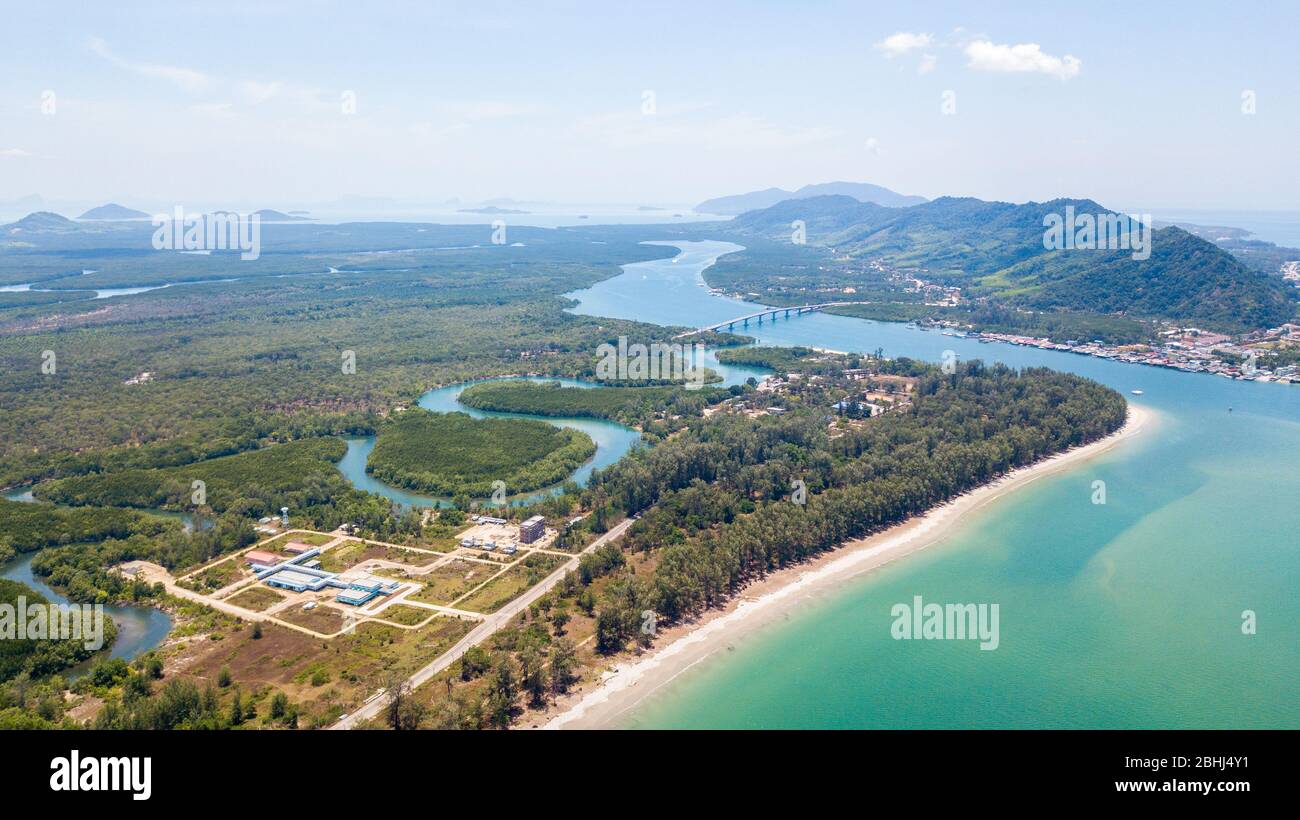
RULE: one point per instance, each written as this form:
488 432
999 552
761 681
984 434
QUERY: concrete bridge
759 316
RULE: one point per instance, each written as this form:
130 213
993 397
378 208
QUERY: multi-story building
532 529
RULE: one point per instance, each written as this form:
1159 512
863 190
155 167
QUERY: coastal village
1190 349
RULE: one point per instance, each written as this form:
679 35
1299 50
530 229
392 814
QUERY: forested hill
995 250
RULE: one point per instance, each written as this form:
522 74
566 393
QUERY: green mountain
859 191
996 250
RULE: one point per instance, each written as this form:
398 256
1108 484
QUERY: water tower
284 516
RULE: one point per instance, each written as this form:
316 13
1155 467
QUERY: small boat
1136 392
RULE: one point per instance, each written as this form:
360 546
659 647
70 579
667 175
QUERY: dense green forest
265 358
259 482
629 405
27 527
453 454
40 658
777 359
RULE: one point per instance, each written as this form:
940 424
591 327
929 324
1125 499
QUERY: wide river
1127 614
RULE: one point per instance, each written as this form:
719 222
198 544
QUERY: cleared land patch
450 581
256 599
510 584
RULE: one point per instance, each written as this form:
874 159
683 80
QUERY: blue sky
1135 105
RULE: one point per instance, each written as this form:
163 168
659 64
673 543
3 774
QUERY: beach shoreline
631 681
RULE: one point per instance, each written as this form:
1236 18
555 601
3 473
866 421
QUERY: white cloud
13 153
928 62
186 78
1021 58
873 145
898 44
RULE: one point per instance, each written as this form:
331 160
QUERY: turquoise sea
1122 615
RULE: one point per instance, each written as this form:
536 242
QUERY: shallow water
1127 614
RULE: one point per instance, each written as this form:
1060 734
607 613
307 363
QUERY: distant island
755 200
268 215
264 214
41 222
113 211
490 209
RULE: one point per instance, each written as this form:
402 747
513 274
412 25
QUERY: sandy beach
682 647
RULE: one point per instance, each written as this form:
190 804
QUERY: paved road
481 632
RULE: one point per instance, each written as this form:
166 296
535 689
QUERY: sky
272 104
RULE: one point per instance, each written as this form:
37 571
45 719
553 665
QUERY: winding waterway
139 628
1123 614
613 440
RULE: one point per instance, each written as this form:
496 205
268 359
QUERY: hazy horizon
301 105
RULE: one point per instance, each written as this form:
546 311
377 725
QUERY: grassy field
448 582
323 619
256 599
351 553
214 577
323 679
408 615
313 539
510 584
